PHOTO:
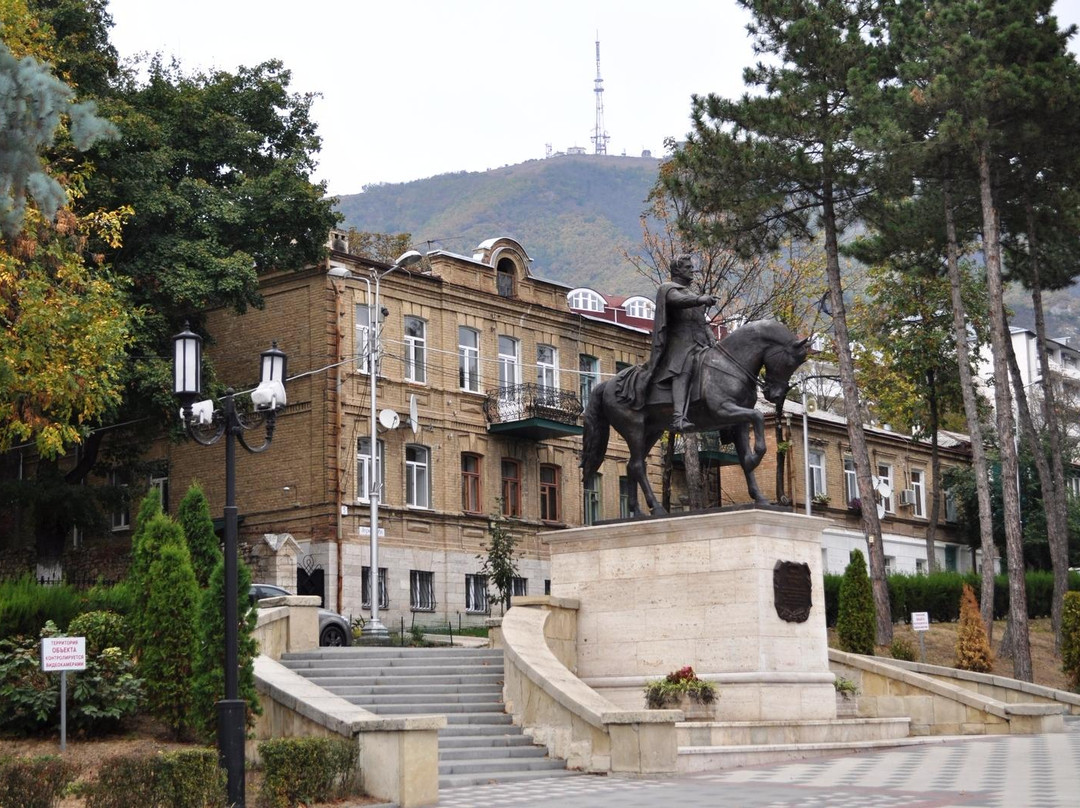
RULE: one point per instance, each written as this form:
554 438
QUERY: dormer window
640 307
585 300
505 274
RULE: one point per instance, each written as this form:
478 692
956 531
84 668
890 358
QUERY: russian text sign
63 653
920 621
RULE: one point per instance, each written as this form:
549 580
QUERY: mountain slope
574 214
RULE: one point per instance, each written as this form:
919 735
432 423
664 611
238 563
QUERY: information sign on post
920 623
63 654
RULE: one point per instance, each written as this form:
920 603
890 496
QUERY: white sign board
63 653
920 621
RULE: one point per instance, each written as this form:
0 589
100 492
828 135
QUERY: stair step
483 741
499 765
450 781
488 753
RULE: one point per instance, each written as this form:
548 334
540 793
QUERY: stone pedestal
657 595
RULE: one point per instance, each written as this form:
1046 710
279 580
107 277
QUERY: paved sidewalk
1041 771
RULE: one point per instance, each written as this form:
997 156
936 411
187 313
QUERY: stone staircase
479 745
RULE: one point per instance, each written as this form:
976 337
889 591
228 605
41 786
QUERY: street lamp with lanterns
207 426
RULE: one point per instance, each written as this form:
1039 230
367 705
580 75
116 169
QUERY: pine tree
209 676
972 646
855 621
168 655
194 517
143 549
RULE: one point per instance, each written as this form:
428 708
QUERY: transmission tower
600 135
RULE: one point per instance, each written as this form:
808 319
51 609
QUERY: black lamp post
207 426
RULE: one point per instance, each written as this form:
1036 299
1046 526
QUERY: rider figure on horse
680 335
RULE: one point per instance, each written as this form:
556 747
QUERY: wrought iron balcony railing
522 402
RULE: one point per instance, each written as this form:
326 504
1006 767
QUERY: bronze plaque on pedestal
791 590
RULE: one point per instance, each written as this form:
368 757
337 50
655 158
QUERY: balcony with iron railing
532 411
710 450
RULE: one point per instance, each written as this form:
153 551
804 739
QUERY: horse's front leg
759 435
635 471
748 461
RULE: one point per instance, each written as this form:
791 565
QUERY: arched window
640 307
505 275
585 300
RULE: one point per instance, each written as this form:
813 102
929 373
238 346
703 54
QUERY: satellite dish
811 404
413 418
882 487
881 510
389 419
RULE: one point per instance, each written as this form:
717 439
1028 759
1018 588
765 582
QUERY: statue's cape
632 386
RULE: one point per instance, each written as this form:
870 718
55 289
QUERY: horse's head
782 360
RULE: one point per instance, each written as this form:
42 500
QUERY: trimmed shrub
1070 639
972 647
31 697
194 518
305 770
902 649
855 621
102 630
168 656
26 605
35 782
189 778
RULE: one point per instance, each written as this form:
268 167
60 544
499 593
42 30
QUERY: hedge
187 778
939 594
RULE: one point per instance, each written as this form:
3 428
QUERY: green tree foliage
168 658
144 543
194 517
209 675
855 621
498 559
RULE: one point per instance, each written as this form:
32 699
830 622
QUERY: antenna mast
600 135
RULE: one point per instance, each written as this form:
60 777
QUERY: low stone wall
559 710
939 707
287 623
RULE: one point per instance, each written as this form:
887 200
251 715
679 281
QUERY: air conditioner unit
907 496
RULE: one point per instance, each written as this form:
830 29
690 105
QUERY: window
589 366
851 484
470 483
519 587
160 483
640 307
624 497
549 493
585 300
918 485
120 519
621 366
952 510
365 588
364 479
509 362
547 586
363 338
476 594
504 277
547 373
1073 486
415 350
417 477
468 359
890 565
511 487
950 557
816 462
920 566
884 471
421 591
592 507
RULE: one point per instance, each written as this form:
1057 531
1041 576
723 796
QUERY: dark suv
334 629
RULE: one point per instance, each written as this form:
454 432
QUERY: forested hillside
575 215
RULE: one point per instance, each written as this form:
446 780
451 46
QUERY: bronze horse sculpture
728 382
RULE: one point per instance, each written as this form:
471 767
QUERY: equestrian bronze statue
710 386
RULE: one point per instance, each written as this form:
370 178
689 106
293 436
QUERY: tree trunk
667 464
781 457
1053 485
695 484
859 453
935 477
971 411
999 334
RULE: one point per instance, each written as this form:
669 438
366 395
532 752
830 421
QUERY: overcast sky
414 88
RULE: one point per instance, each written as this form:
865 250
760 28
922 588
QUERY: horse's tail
594 441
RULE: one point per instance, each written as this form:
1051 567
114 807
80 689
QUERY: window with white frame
160 483
1073 484
120 519
640 307
509 362
592 505
415 350
547 373
815 459
918 487
589 368
363 338
890 565
469 359
421 590
851 483
417 476
476 594
365 588
519 587
920 566
885 474
364 478
624 497
585 300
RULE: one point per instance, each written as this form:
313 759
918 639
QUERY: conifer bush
198 526
1070 639
855 621
972 647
